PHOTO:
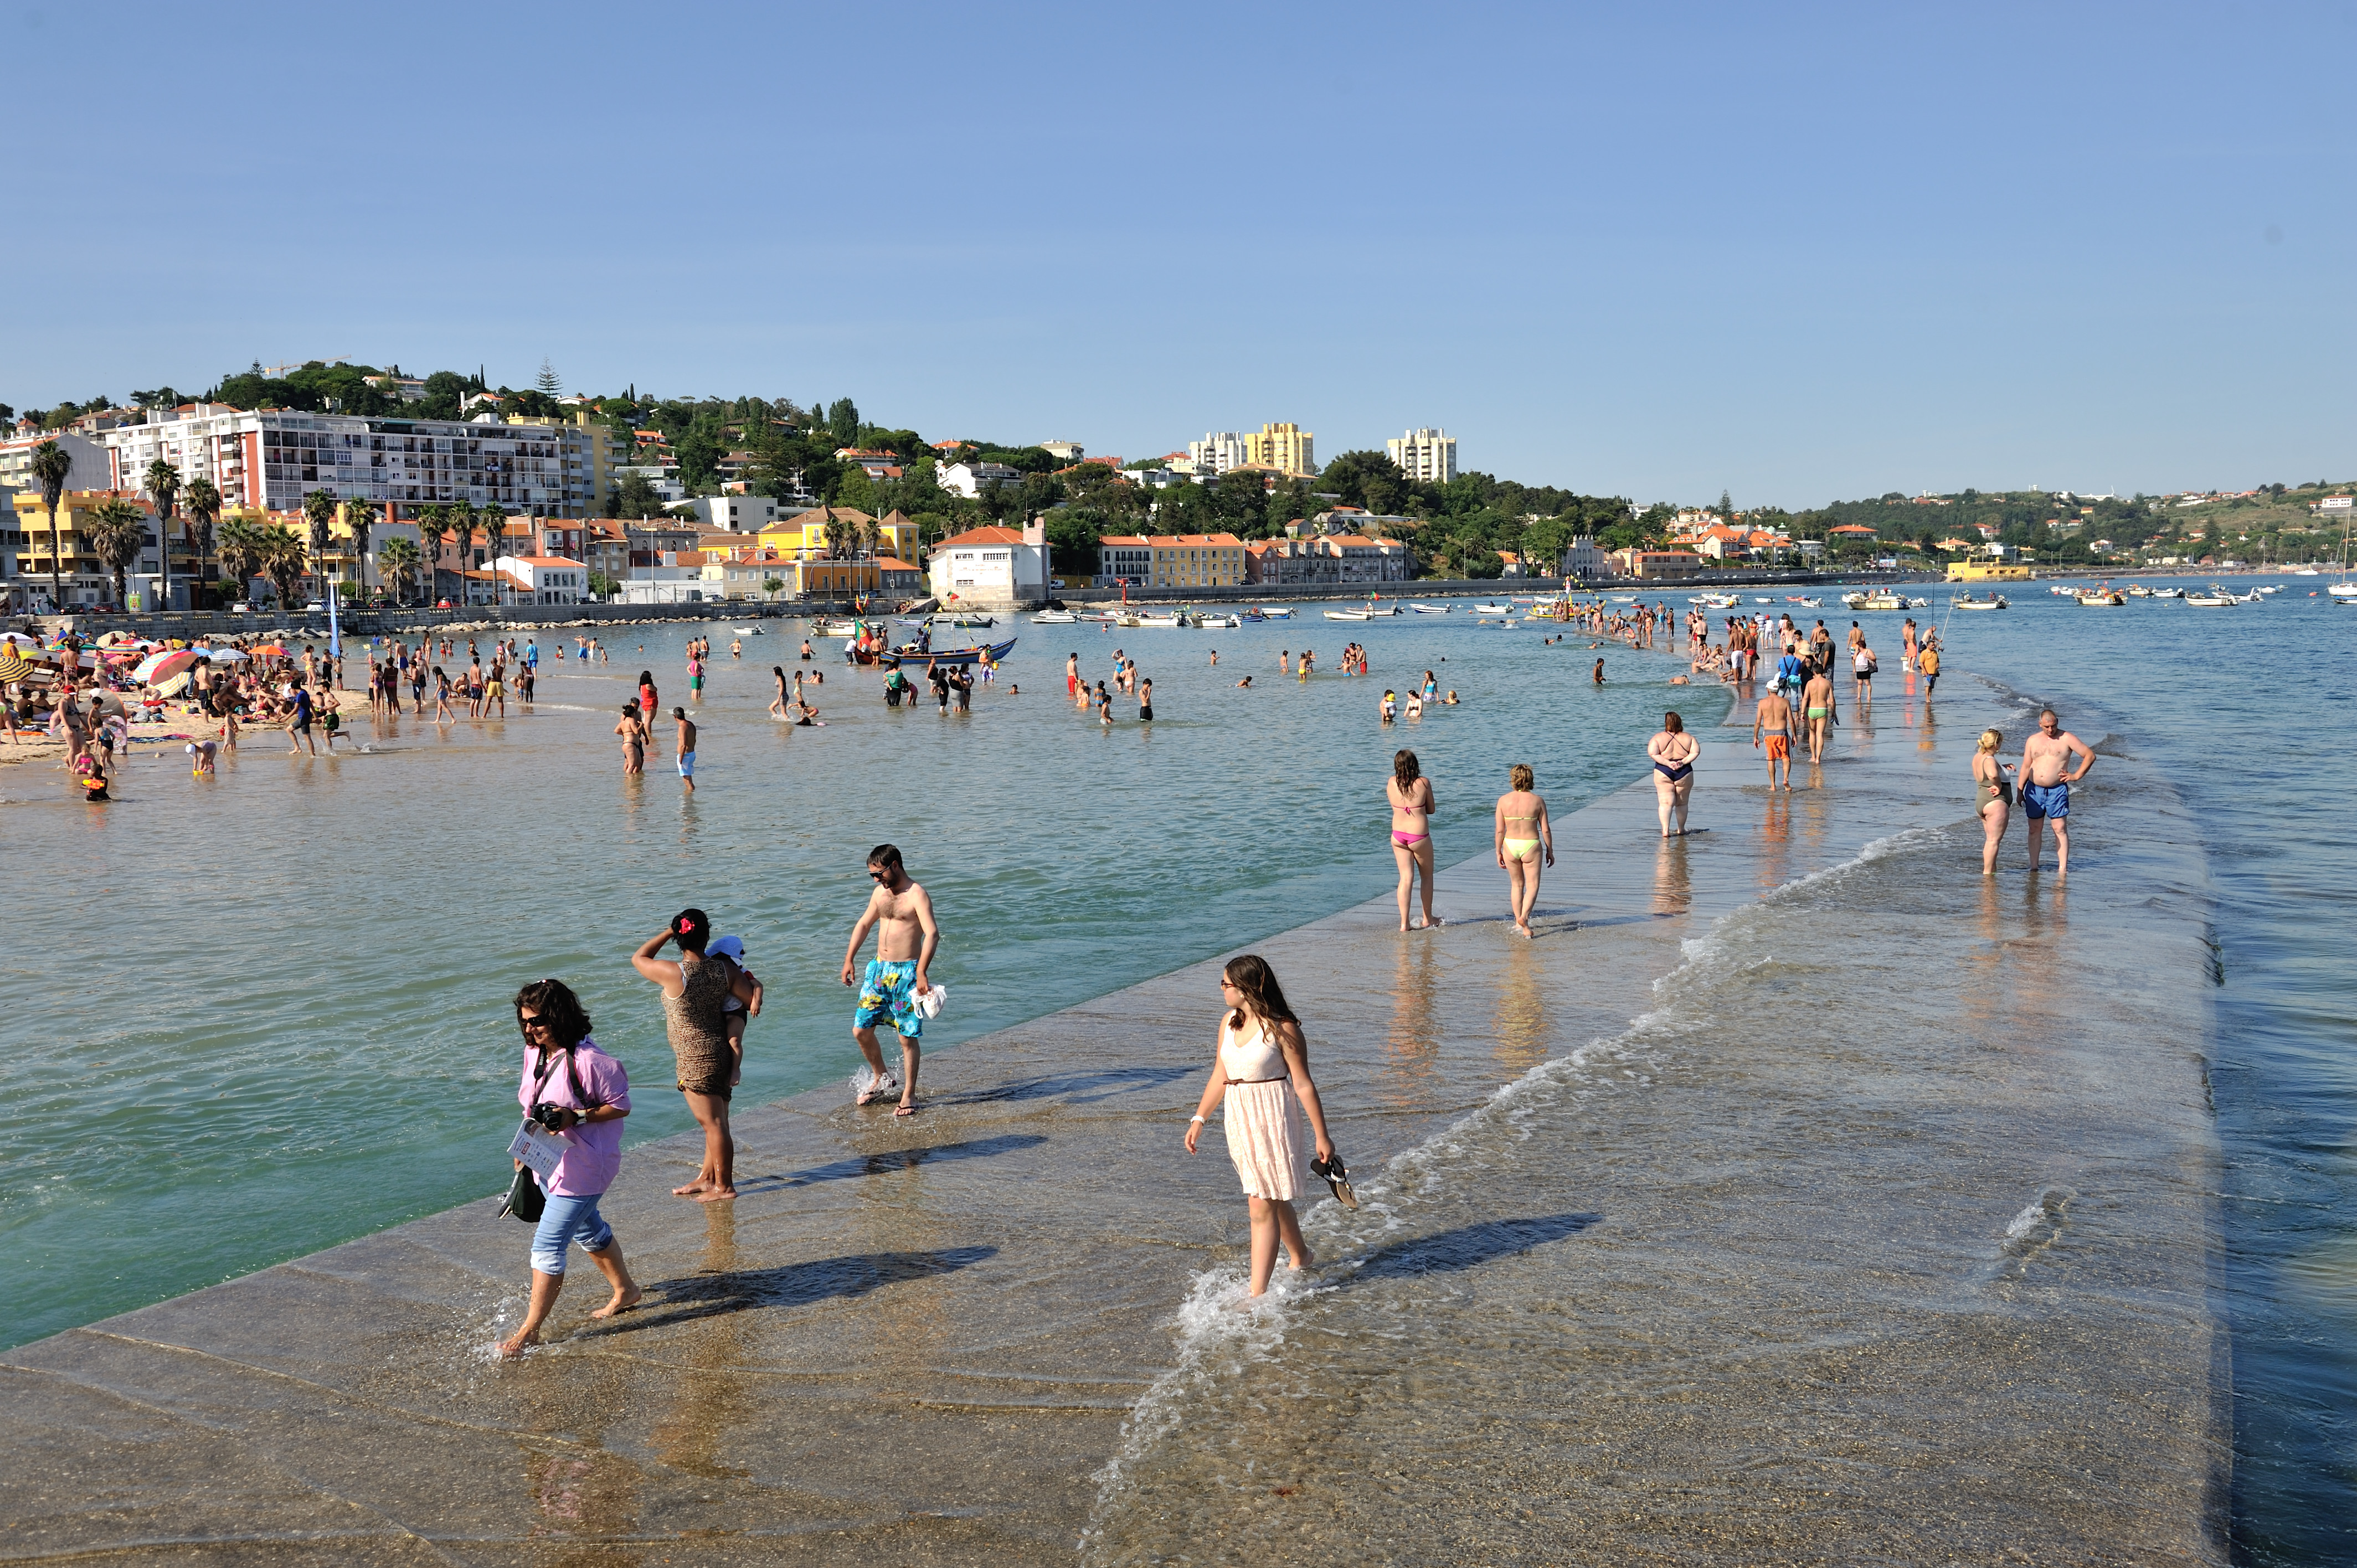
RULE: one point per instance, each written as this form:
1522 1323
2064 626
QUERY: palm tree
240 554
360 519
282 551
116 531
399 560
318 511
51 464
164 490
202 502
495 539
841 534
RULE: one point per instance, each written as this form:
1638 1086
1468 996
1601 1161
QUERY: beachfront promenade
918 1343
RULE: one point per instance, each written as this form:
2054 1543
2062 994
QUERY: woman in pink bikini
1410 793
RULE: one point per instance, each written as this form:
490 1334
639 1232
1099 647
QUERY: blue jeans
565 1220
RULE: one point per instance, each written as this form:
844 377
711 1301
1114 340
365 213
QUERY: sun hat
726 947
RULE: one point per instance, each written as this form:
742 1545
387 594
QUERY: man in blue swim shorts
894 984
2046 786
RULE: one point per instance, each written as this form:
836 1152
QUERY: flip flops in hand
1338 1178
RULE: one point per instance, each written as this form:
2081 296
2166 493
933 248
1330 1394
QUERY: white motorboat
1717 601
828 626
2103 599
1624 599
1371 612
1220 620
974 622
1881 600
1422 610
1054 618
1277 612
1160 620
2213 600
1966 601
2307 572
1494 610
746 630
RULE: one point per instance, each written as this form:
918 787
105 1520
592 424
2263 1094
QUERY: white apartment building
991 567
1427 455
970 479
92 468
271 459
548 579
737 514
1218 451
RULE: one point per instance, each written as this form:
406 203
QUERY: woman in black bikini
1674 752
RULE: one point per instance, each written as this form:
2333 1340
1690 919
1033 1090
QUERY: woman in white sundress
1260 1073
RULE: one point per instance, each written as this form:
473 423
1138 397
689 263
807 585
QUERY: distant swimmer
2046 788
894 987
1522 837
1410 794
1992 797
1772 724
1600 671
1672 751
1260 1074
1390 706
1820 709
1244 685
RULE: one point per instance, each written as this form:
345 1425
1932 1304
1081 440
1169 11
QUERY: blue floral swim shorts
888 991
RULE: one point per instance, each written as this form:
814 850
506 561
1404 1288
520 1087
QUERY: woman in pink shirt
590 1095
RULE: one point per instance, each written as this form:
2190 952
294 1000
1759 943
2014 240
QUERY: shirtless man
2046 788
895 980
1818 707
1774 725
686 744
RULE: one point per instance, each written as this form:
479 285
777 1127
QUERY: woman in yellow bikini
1520 832
1410 794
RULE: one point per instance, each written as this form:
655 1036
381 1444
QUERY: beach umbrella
161 667
270 651
173 687
13 667
224 655
26 638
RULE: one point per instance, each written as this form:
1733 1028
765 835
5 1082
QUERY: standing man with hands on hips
894 986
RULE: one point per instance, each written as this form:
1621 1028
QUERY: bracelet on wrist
1195 1119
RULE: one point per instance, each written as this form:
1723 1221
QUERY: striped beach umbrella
13 667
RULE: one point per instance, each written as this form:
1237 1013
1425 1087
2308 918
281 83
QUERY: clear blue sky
1793 253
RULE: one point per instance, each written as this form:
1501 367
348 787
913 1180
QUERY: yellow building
83 577
821 579
1195 561
1287 448
1984 570
804 535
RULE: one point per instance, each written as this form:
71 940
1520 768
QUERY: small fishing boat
1717 601
1762 599
974 622
2216 598
1882 599
1371 613
1054 618
825 626
1277 612
1965 601
1494 610
1226 621
945 657
1624 599
2139 591
1815 604
2103 599
746 630
1174 618
1424 609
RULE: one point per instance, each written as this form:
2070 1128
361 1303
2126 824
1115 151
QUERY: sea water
255 1016
310 1039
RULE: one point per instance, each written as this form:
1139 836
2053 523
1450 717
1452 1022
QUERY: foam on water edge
1219 1332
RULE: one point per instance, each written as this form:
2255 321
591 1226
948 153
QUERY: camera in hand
555 1118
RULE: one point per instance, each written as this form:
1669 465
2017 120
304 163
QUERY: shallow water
270 1012
1895 1132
